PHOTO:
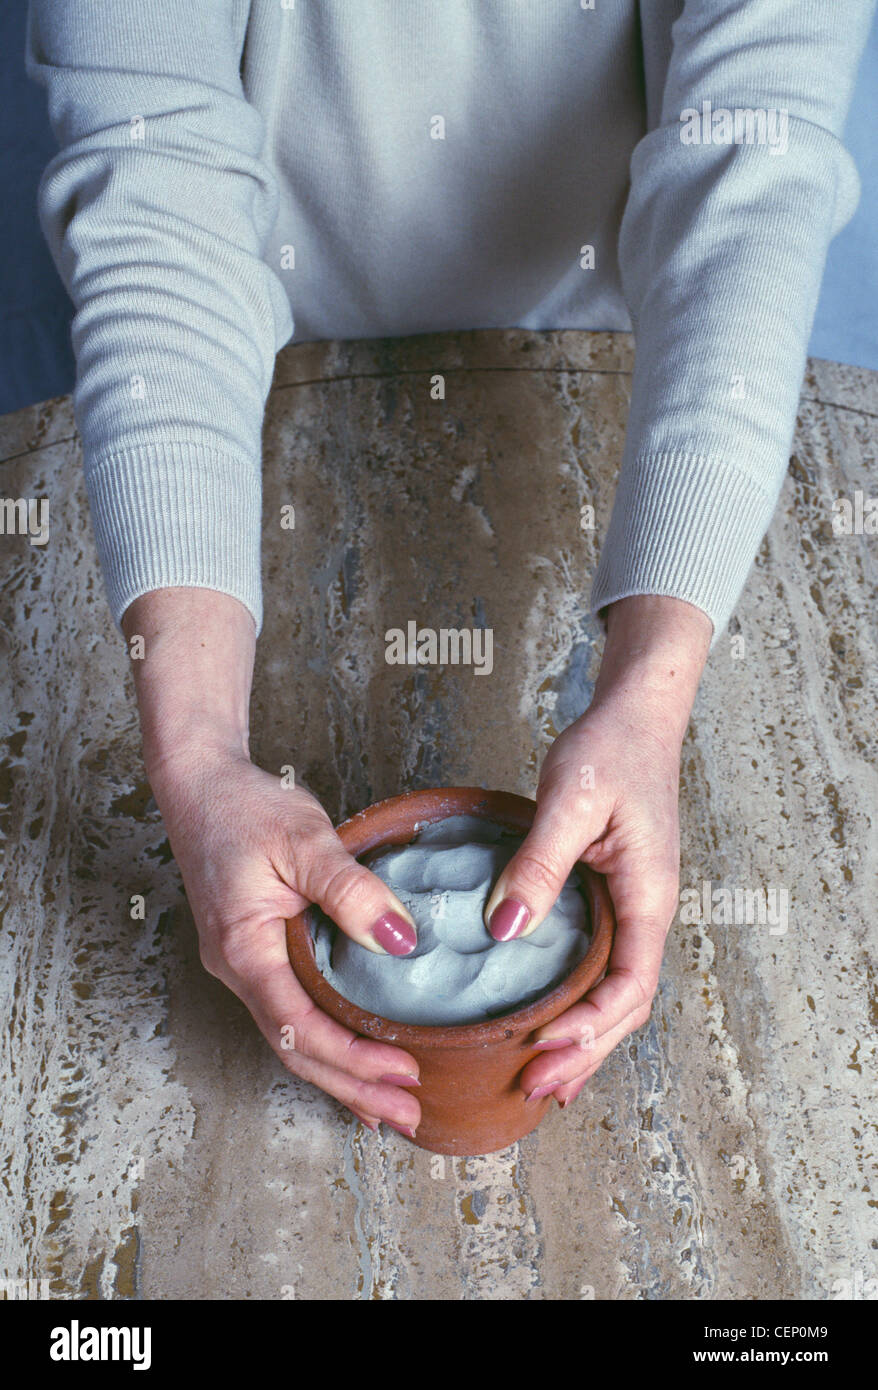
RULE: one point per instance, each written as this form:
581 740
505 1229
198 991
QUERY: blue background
36 359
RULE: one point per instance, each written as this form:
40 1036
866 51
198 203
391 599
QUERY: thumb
356 900
528 886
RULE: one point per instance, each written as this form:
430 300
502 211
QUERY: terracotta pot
470 1098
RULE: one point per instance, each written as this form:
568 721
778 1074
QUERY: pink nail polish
398 1078
395 934
547 1044
401 1129
539 1091
570 1099
508 919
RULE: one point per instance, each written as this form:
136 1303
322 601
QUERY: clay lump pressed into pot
457 973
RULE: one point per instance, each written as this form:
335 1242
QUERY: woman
236 172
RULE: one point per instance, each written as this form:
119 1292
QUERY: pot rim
380 824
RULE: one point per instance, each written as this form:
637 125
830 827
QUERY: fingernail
401 1129
508 919
546 1044
395 934
570 1099
397 1078
539 1091
368 1123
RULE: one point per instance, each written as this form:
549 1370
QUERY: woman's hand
608 793
253 851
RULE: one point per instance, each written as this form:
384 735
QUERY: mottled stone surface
153 1145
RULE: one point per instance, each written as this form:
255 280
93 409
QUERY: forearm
654 656
721 251
157 224
194 676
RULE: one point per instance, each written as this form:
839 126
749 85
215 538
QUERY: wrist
654 655
192 656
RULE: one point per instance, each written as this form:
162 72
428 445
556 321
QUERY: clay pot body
470 1098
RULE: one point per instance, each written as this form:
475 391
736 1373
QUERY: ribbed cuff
685 526
177 514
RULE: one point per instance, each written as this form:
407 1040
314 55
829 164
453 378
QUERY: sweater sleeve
156 211
735 193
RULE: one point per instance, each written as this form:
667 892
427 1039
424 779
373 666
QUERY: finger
370 1121
623 991
386 1103
577 1063
564 1095
395 1105
529 884
314 1046
356 900
635 960
599 1054
266 982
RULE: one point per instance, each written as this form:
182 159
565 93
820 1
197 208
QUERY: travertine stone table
153 1145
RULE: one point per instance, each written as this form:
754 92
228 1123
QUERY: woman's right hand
253 851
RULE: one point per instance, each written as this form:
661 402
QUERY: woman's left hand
608 793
